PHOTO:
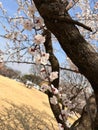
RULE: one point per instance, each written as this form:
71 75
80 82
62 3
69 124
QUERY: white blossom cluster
2 8
89 16
39 39
57 98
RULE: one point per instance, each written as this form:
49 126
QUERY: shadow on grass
24 118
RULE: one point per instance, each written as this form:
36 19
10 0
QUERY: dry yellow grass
17 93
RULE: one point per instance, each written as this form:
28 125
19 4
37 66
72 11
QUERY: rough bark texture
76 47
86 121
55 67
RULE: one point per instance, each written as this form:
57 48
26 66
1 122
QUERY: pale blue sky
11 7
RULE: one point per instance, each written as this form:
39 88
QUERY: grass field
15 95
22 108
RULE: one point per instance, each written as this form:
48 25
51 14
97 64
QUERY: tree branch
82 54
28 62
55 67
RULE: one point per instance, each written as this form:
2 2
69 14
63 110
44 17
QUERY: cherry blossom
67 103
60 89
42 70
41 59
63 96
44 87
28 25
53 75
31 50
76 0
39 22
9 35
54 100
1 59
31 10
37 59
60 126
54 90
63 115
96 6
38 39
69 5
0 4
44 58
68 123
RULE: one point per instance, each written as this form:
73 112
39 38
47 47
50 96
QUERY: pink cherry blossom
37 59
44 58
31 10
41 59
31 50
39 39
28 25
60 126
53 75
63 115
39 22
0 4
54 90
43 70
53 100
63 96
68 123
44 87
96 6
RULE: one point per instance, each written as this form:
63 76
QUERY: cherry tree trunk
82 54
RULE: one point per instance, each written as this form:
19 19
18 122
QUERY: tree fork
55 67
72 42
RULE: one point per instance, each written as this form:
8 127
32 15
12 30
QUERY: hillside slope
12 92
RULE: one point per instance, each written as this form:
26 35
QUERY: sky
11 7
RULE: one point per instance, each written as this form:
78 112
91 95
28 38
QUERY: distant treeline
9 72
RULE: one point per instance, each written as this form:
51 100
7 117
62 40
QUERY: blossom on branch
1 5
54 90
44 87
96 6
60 126
38 39
31 50
39 22
68 123
63 115
31 10
41 59
44 58
37 59
28 25
53 75
54 100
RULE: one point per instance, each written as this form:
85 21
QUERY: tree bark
56 109
72 42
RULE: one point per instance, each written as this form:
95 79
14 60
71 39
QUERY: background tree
33 78
9 72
